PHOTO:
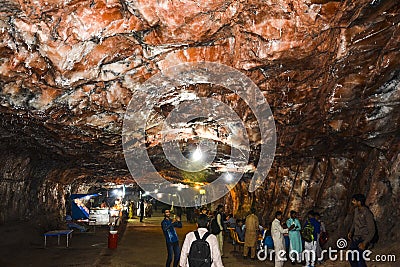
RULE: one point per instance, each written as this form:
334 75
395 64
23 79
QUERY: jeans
354 262
173 249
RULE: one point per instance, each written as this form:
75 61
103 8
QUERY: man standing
321 235
215 256
251 234
296 246
220 236
277 232
310 246
362 230
171 238
141 207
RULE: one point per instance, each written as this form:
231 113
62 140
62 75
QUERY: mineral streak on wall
329 70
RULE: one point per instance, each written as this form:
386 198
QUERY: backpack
214 227
307 233
200 252
323 238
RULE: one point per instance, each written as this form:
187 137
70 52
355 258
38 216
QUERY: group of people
293 228
362 233
290 237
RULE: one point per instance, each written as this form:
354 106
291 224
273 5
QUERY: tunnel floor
140 244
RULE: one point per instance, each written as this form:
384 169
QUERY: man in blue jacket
310 247
171 238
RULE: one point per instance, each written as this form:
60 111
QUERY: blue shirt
168 228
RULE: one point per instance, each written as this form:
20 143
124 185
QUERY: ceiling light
197 155
228 177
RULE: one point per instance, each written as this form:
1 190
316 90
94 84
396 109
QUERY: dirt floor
140 244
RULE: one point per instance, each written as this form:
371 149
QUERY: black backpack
214 227
200 252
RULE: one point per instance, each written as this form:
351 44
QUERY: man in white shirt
277 232
202 222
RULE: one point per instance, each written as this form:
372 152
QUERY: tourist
220 236
296 244
310 245
141 209
215 255
171 238
240 230
251 234
362 229
277 232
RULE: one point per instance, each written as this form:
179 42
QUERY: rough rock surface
329 70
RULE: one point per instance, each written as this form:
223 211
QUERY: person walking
251 234
220 236
201 233
168 226
277 232
361 231
296 244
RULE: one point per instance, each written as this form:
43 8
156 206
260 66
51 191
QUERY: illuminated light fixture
197 155
156 191
117 192
228 177
159 195
202 191
197 187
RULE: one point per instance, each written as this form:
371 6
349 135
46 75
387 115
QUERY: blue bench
58 233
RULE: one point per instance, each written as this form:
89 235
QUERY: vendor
118 206
104 205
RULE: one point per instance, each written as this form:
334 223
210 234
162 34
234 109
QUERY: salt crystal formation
330 71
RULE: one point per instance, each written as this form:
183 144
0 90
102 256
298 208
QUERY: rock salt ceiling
330 71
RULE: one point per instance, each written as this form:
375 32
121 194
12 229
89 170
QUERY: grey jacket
363 224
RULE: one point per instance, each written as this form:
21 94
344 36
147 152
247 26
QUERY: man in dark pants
171 238
362 230
141 207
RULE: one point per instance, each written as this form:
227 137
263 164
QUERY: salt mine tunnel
329 71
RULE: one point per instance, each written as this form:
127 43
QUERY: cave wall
326 185
34 188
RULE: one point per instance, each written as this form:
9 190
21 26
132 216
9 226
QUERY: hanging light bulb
228 177
197 155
